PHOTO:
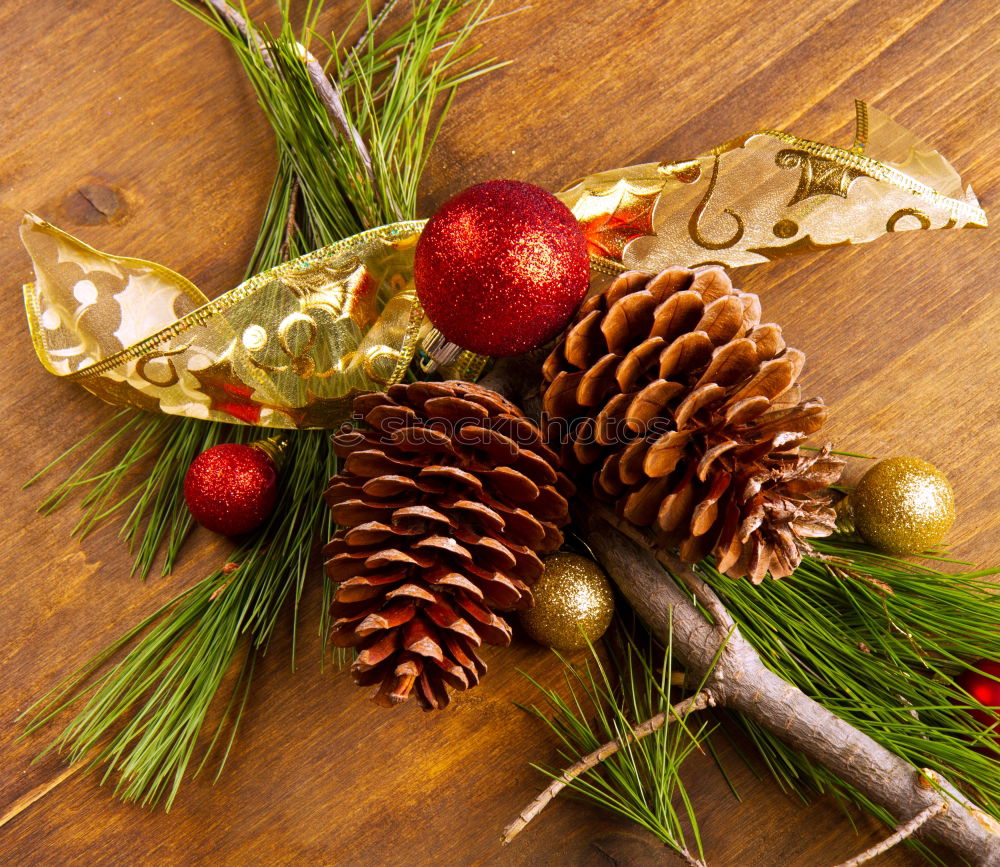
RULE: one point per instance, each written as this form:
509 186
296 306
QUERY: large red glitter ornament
501 267
231 488
984 690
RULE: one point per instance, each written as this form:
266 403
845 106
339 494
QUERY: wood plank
144 110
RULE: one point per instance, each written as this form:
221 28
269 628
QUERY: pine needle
145 714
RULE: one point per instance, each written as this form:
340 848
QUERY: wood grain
131 126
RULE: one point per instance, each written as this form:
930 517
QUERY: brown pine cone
445 498
687 412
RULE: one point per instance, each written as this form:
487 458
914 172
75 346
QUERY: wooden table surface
131 126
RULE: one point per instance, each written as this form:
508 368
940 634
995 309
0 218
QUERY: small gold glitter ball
573 603
903 505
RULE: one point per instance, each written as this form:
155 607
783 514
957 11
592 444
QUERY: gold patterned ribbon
768 195
291 347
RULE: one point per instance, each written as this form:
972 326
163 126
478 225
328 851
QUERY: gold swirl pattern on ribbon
694 229
291 347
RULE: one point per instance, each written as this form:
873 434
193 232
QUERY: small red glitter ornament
984 690
231 488
501 267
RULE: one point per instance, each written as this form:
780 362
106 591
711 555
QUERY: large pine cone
686 411
446 497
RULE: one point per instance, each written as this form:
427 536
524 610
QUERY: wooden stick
689 859
331 96
240 23
290 226
696 702
902 833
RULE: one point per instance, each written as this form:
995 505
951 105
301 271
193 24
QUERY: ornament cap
437 351
274 447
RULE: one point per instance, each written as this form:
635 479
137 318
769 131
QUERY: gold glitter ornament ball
903 505
573 603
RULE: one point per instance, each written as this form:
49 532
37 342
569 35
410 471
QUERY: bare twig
240 23
902 833
696 702
689 859
376 22
290 226
331 96
699 589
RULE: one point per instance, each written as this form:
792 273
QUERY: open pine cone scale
686 410
446 497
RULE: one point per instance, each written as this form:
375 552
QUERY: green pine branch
605 700
876 639
879 640
147 697
144 715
